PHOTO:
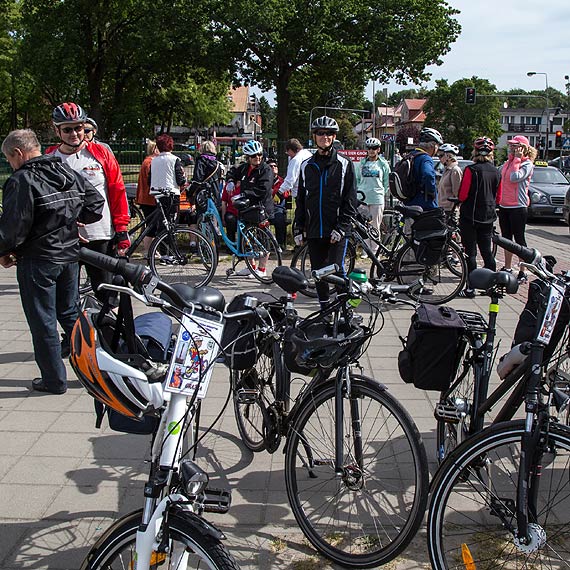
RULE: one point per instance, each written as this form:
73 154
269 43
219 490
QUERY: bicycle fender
189 518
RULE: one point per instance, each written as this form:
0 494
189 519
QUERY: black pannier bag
429 236
255 214
429 358
239 341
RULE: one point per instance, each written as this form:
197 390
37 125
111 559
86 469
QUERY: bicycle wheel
253 391
183 256
473 504
368 515
302 262
259 245
440 283
136 218
454 410
207 229
201 550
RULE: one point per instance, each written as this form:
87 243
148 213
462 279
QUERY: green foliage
405 133
458 122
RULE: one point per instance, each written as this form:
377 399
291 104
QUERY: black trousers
473 235
322 253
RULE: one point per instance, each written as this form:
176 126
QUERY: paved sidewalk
63 482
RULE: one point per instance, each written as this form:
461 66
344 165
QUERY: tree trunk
283 100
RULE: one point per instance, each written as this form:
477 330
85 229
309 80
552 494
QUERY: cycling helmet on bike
251 148
430 135
483 146
109 380
372 143
326 123
450 148
312 346
68 113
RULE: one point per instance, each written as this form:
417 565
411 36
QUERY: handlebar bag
430 355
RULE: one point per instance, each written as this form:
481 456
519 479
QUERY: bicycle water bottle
508 362
358 283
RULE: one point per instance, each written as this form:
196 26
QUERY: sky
501 40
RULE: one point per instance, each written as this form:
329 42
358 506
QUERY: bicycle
501 499
169 532
177 255
355 466
443 280
254 243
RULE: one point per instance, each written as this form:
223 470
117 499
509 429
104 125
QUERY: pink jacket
515 180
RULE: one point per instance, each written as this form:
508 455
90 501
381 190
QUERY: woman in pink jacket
515 180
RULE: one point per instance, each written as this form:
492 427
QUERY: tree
404 134
275 40
458 122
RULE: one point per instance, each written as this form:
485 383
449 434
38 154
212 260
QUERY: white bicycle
113 363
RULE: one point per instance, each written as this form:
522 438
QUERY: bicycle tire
116 549
136 217
440 284
253 390
478 482
174 259
396 476
302 262
208 230
257 243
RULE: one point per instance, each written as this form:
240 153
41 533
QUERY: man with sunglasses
99 166
90 130
326 200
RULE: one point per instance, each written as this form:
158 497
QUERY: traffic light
558 140
470 95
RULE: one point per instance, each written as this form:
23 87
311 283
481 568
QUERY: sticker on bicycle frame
550 316
197 346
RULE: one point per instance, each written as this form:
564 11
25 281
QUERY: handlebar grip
328 270
135 274
527 254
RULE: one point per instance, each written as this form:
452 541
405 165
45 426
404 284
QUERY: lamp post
530 74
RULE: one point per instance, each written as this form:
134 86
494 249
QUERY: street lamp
530 74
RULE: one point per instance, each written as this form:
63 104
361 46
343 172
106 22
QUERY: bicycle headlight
194 479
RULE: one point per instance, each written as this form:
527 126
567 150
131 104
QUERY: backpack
429 358
401 180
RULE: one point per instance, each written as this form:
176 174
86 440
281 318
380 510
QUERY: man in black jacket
326 200
43 202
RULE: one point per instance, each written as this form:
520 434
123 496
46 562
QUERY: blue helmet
251 148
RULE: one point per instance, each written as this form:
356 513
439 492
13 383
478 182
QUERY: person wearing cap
100 167
516 174
372 181
90 131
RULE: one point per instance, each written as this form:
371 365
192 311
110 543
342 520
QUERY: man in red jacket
100 167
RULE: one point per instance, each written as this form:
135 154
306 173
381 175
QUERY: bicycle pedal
245 396
448 413
217 500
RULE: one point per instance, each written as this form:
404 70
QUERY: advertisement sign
354 155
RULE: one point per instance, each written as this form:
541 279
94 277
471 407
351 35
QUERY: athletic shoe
40 386
245 272
261 272
505 269
522 277
467 294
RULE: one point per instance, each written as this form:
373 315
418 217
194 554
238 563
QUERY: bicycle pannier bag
429 236
239 338
253 214
401 181
429 358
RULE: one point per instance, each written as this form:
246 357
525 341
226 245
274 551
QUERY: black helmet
429 135
92 122
324 122
68 113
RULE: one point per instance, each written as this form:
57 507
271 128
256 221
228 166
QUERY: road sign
388 137
566 142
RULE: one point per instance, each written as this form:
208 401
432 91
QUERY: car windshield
548 176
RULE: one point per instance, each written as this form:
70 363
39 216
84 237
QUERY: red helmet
68 113
484 146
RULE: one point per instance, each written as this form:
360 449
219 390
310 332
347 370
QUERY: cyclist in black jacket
326 200
43 200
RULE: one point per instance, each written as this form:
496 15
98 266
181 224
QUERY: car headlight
537 197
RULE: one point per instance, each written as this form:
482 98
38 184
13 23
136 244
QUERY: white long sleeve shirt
291 181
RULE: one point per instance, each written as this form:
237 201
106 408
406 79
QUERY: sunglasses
255 155
88 130
325 133
68 130
373 147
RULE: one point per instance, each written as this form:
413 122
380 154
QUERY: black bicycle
355 466
443 275
501 499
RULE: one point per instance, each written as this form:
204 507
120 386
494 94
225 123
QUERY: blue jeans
49 293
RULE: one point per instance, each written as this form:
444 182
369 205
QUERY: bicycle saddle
409 211
483 279
289 279
208 296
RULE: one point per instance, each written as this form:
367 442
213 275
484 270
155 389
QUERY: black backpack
401 180
429 358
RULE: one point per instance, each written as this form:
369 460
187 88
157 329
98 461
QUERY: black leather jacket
43 201
257 186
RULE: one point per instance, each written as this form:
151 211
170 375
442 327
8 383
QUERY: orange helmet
108 379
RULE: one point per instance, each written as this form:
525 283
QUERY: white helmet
251 148
450 148
372 143
428 134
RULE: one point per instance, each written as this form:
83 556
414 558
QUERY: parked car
547 191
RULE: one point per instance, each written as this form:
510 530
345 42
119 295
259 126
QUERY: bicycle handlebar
526 254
